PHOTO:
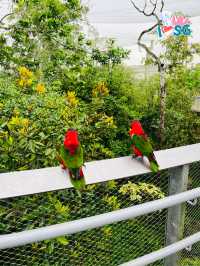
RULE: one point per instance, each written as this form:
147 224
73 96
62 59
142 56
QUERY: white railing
53 178
53 231
164 252
50 179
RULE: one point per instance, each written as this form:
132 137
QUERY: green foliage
190 262
65 205
178 51
33 126
111 55
179 118
46 36
138 191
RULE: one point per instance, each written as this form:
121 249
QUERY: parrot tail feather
153 163
77 178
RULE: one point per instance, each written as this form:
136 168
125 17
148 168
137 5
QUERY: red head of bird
136 129
71 142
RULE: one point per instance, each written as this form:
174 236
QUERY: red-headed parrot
141 145
71 158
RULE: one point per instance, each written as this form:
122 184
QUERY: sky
118 19
122 11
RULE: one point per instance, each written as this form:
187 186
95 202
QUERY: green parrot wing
78 183
142 144
72 161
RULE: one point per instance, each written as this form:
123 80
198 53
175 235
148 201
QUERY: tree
112 55
46 36
156 8
178 53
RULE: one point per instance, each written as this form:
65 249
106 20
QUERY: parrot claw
140 158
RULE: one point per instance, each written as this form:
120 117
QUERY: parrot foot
63 167
140 158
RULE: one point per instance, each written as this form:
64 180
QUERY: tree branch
162 5
2 23
154 6
150 29
152 13
160 64
136 7
141 44
5 16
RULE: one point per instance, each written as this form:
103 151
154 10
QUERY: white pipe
29 182
164 252
52 231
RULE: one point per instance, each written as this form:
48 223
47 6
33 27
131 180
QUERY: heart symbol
167 28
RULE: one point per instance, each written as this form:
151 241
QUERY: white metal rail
52 231
164 252
53 178
49 179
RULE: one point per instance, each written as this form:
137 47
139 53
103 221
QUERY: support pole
176 215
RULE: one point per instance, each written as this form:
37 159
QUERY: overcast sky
110 18
121 11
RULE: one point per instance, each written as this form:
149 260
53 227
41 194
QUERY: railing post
176 215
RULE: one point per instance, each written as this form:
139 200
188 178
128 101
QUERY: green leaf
62 240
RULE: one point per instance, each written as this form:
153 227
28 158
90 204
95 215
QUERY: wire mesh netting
191 256
113 244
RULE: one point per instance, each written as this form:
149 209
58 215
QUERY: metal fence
191 256
113 243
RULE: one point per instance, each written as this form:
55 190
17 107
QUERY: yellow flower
22 131
15 120
21 82
25 122
21 123
29 82
71 98
109 120
25 77
100 90
40 88
25 72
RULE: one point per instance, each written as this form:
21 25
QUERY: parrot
71 158
141 145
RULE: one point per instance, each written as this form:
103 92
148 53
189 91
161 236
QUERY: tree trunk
110 72
162 103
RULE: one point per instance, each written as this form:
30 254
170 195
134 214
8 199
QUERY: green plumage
74 163
144 146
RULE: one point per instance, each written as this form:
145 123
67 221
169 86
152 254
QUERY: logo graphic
173 25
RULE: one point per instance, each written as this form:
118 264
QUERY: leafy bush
190 262
33 124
